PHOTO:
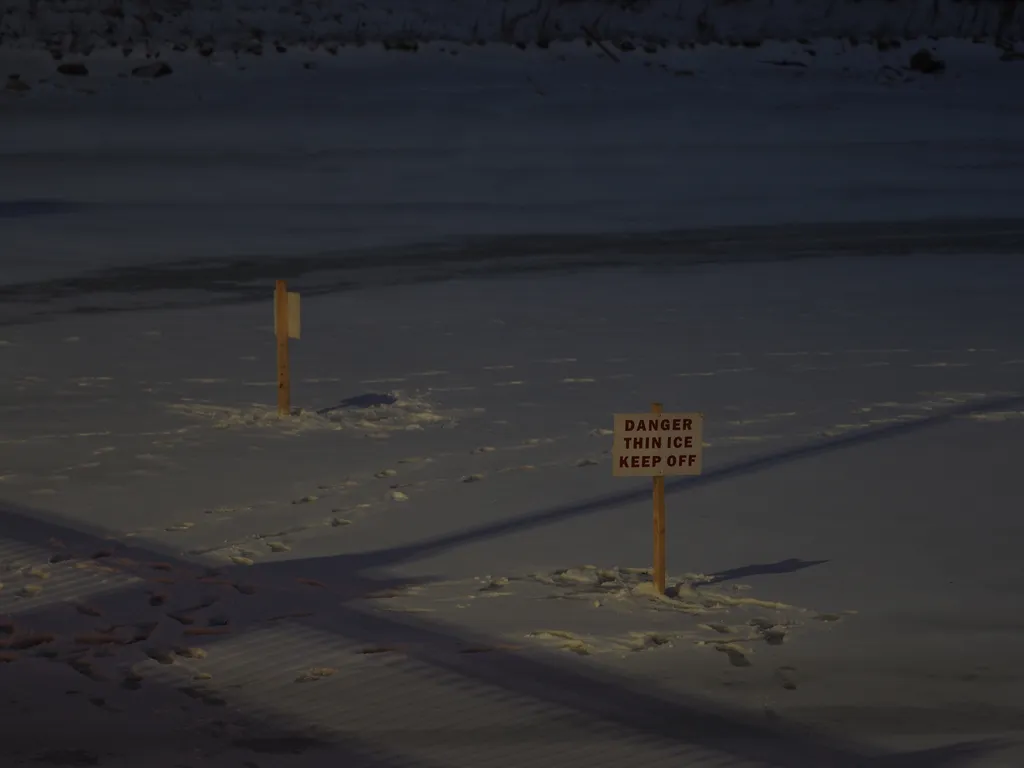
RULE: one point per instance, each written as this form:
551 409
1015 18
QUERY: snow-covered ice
430 563
228 178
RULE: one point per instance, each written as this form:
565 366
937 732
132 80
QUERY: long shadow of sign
715 475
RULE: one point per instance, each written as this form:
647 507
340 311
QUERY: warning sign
650 445
294 316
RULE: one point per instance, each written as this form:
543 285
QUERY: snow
430 563
195 171
256 26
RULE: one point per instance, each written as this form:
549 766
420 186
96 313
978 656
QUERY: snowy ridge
79 26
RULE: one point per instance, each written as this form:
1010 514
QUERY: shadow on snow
599 696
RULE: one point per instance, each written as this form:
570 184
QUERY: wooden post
284 382
659 524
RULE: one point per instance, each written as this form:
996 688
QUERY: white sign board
294 316
649 445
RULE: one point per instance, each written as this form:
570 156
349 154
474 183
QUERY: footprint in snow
722 629
786 677
314 674
473 649
828 618
565 641
737 656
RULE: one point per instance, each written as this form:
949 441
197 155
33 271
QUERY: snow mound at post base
405 413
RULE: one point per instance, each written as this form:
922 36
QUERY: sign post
659 523
286 324
654 445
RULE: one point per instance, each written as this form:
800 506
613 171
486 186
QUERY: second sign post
657 444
